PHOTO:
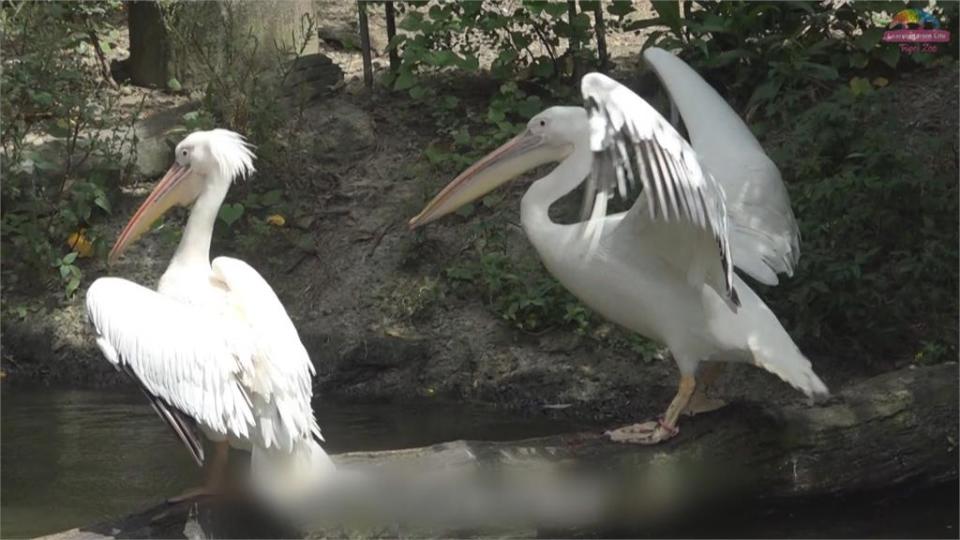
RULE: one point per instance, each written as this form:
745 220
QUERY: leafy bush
516 288
61 149
771 56
522 46
878 217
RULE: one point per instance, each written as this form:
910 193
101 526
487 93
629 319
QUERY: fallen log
891 432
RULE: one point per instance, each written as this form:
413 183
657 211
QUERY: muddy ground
345 262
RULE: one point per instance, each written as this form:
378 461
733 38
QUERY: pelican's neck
194 248
536 202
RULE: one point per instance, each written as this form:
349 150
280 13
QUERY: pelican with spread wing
212 348
665 268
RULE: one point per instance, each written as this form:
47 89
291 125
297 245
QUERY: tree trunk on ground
894 431
206 36
149 45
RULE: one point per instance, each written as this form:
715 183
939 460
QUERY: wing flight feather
633 146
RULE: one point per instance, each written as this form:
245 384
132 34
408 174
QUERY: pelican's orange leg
216 471
664 428
700 402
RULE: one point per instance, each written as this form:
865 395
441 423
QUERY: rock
312 76
156 138
154 148
368 366
338 25
341 129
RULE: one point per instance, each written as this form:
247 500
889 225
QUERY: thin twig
365 44
104 66
378 238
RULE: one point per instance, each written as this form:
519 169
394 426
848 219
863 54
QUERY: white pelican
213 345
663 269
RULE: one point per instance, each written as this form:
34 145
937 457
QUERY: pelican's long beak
170 191
515 157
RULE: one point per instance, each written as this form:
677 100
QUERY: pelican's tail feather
283 476
785 360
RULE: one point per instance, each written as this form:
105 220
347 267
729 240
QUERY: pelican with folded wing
665 268
212 347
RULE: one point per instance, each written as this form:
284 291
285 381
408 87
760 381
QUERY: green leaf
543 68
581 23
620 8
727 57
860 86
492 200
529 107
72 286
466 210
449 102
820 71
404 81
411 22
713 24
60 128
766 91
869 39
174 85
101 201
555 9
418 91
445 58
43 164
669 12
396 41
70 257
230 213
272 197
890 56
495 115
921 58
435 154
859 60
470 62
44 99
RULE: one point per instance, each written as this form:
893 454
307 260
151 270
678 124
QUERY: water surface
75 457
71 458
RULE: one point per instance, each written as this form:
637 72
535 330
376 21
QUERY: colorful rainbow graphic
913 18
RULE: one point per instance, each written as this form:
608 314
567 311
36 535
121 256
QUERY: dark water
70 458
75 457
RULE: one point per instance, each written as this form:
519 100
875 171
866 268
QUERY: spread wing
282 381
681 214
763 232
238 368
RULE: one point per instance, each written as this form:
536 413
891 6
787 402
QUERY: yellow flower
79 242
276 220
